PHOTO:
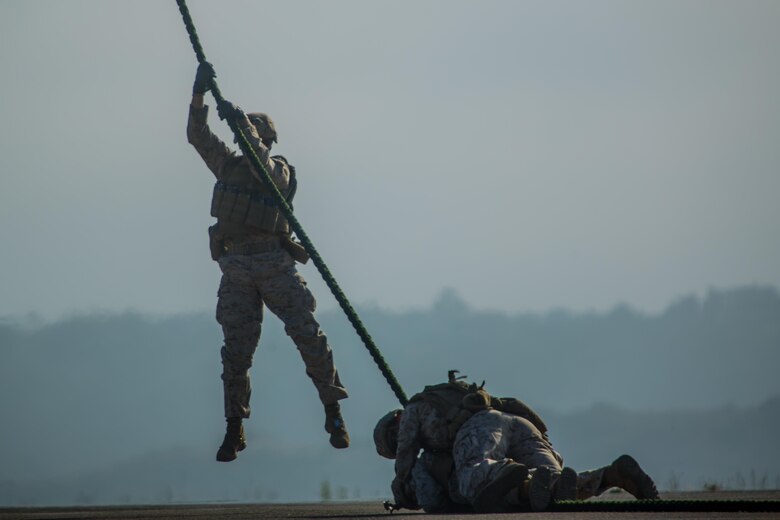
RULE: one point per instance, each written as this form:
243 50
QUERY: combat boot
625 473
565 487
335 426
503 492
234 440
540 488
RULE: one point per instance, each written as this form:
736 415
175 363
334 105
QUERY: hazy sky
529 154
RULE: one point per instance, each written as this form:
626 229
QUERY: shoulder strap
293 185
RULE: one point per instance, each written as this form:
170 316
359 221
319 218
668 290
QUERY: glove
203 78
229 111
403 494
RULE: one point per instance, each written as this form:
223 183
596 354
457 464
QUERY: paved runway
359 510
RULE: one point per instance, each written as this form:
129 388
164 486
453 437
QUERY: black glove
229 111
203 78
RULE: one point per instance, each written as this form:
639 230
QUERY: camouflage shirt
421 427
220 159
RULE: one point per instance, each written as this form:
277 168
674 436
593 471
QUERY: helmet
386 434
264 125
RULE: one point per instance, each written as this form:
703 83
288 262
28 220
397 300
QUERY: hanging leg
240 312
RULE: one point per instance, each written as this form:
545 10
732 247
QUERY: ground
357 510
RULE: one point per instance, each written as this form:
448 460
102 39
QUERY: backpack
456 401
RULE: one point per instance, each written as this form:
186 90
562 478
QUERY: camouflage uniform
490 439
432 495
260 272
422 427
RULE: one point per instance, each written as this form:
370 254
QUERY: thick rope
666 506
284 207
699 506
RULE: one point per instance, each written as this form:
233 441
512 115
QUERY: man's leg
287 296
240 312
490 472
432 497
528 446
624 473
479 452
494 454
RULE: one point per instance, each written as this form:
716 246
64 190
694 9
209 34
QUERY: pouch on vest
216 242
256 211
295 249
241 207
281 224
270 215
476 401
225 201
217 198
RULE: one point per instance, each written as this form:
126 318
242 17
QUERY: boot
234 440
540 488
565 488
493 497
625 473
336 427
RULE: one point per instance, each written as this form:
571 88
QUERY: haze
575 201
530 155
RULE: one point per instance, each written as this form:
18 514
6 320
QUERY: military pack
457 401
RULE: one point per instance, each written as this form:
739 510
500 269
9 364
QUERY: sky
529 155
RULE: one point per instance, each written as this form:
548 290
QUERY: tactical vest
457 401
245 204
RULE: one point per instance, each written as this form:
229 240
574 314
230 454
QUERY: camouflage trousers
490 440
434 496
248 283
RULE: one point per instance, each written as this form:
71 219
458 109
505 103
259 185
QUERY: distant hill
127 407
728 447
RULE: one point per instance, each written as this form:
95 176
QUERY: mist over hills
127 408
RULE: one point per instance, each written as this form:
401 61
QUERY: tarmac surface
357 510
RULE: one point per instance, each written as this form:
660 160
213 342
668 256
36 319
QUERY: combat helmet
264 125
386 434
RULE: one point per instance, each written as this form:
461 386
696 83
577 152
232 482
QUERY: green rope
632 506
699 506
247 150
